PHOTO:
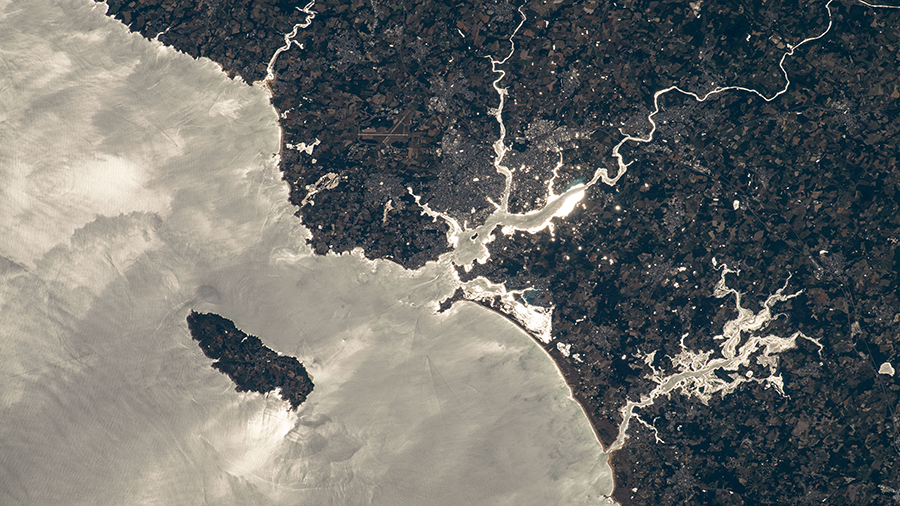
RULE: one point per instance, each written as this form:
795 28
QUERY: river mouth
168 200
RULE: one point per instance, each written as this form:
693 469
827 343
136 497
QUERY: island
746 148
247 361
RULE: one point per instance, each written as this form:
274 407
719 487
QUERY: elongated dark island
247 361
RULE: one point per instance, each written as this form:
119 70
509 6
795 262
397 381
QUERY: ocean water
137 184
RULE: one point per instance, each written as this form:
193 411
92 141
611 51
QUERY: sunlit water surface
137 184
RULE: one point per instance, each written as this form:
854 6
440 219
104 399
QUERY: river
138 184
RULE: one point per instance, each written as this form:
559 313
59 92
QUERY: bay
138 184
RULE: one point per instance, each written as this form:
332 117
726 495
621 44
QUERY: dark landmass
399 98
247 361
833 441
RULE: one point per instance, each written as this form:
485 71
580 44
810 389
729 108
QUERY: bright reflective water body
137 184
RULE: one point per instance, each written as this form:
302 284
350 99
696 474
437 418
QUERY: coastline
632 283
